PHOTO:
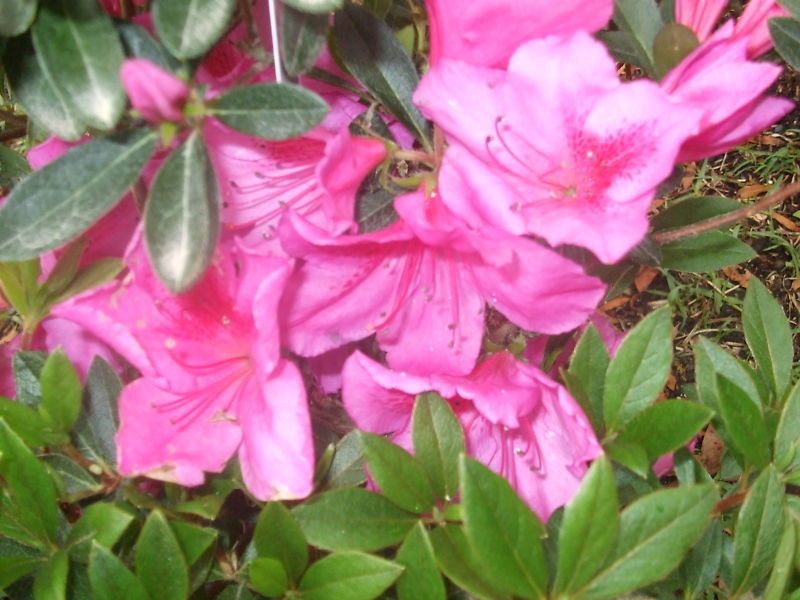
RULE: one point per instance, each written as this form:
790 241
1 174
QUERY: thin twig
729 218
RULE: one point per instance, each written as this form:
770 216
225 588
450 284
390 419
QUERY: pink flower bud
157 94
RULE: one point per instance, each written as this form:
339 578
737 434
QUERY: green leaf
182 216
112 580
666 426
456 558
785 34
208 506
26 422
744 422
65 269
30 495
710 361
352 519
376 58
705 253
759 528
194 541
159 560
768 335
503 531
784 565
693 210
36 90
639 370
140 44
27 366
787 438
303 36
701 566
16 567
631 456
68 196
51 580
97 424
586 376
13 167
438 442
641 19
348 464
656 532
672 44
75 482
236 592
189 28
99 272
315 6
278 535
61 391
275 111
100 523
793 6
16 16
268 577
78 45
421 578
374 206
399 476
588 529
348 576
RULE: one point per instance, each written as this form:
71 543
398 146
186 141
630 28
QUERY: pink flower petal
157 94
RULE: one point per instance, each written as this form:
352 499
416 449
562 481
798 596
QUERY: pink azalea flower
516 420
422 285
718 79
226 62
558 147
213 380
155 93
700 16
487 33
317 175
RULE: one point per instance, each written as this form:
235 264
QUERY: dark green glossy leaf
13 167
75 482
68 196
348 464
744 422
640 19
111 579
639 370
768 335
376 58
353 519
268 577
27 366
303 36
399 476
588 529
503 532
666 426
787 438
51 580
61 391
97 424
421 578
711 360
438 442
701 566
159 560
784 565
182 216
278 535
78 46
189 28
758 532
786 36
140 44
275 111
348 576
705 253
16 16
101 524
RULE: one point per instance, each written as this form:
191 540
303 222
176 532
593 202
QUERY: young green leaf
784 565
376 58
666 426
16 16
159 560
268 577
51 580
503 531
97 424
588 529
111 580
353 519
100 523
348 576
744 422
399 476
182 216
421 578
639 370
61 391
768 335
79 48
587 375
438 442
26 422
66 197
278 535
758 532
189 28
303 36
275 111
656 532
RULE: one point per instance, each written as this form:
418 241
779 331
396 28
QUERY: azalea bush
300 300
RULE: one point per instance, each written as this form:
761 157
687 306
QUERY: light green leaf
348 576
348 464
787 438
159 560
51 580
744 422
666 426
189 28
16 16
784 565
101 524
278 535
316 6
438 442
421 578
112 580
705 253
61 391
97 424
26 422
586 376
268 577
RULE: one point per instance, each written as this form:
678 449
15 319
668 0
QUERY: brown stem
10 117
730 502
12 134
730 218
